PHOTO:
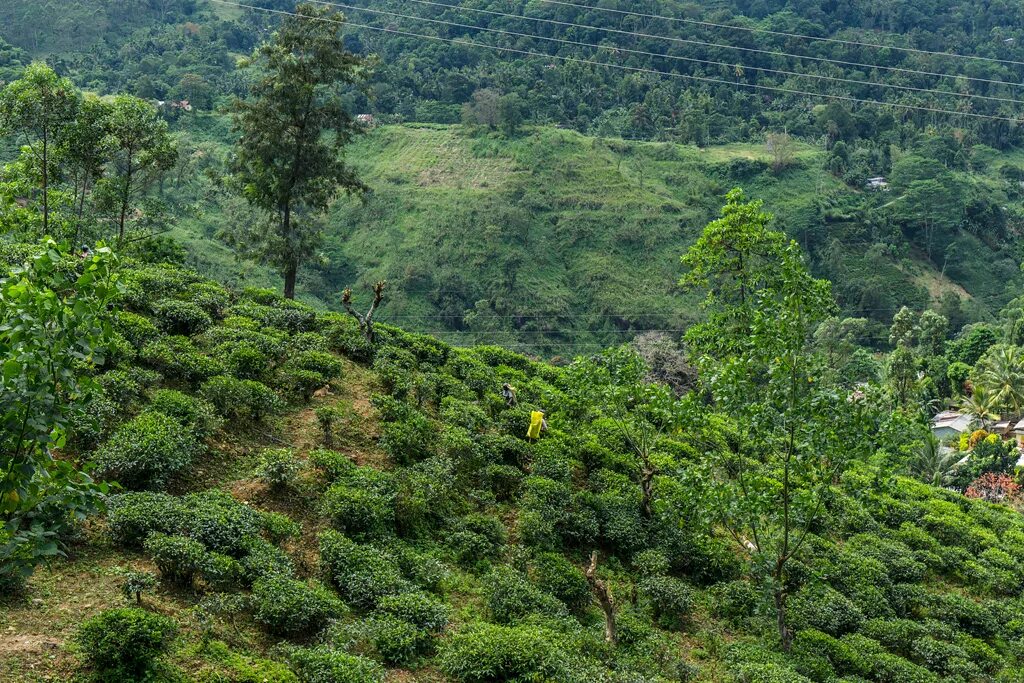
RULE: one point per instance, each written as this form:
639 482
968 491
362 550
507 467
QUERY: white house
950 424
878 183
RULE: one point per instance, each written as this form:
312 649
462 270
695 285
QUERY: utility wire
615 48
801 36
724 46
632 69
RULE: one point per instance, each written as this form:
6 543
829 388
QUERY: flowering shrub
994 487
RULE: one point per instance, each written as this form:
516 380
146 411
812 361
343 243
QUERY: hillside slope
459 546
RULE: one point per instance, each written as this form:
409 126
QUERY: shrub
420 609
181 317
735 600
332 463
650 563
825 609
132 517
137 329
178 558
125 644
278 467
556 575
209 296
668 598
319 362
198 415
135 583
359 510
279 527
146 451
121 387
292 608
301 383
221 572
262 558
324 665
398 642
238 399
408 441
362 574
478 538
486 653
510 597
242 359
178 358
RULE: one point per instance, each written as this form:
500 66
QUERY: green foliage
53 330
278 467
669 599
192 413
178 558
423 611
324 665
135 583
289 607
147 451
305 61
240 398
362 574
486 653
511 597
125 643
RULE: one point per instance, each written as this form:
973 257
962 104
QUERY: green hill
409 491
553 242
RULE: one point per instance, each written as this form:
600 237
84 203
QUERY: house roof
951 419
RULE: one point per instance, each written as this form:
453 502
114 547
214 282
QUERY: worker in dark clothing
508 392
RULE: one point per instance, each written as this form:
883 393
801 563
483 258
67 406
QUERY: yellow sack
536 420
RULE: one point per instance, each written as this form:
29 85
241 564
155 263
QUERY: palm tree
934 464
1001 372
981 405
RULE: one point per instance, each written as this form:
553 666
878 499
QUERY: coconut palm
934 464
981 405
1001 372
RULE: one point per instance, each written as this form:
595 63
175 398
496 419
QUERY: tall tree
38 107
141 149
292 132
755 357
85 152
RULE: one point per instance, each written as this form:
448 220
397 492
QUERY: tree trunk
291 267
604 598
46 183
289 279
785 636
646 486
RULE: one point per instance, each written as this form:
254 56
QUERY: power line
531 53
615 48
699 22
726 46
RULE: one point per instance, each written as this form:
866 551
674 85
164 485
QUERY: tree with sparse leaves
293 130
756 362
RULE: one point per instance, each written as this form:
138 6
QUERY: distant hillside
551 240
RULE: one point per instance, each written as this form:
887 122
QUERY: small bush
242 359
358 510
477 538
146 451
324 665
125 644
825 609
238 399
561 578
487 653
301 383
181 317
220 572
289 607
278 467
137 329
420 609
398 642
135 583
668 598
332 463
177 357
511 597
196 414
319 362
362 574
178 558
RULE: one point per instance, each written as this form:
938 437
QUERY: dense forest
331 356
